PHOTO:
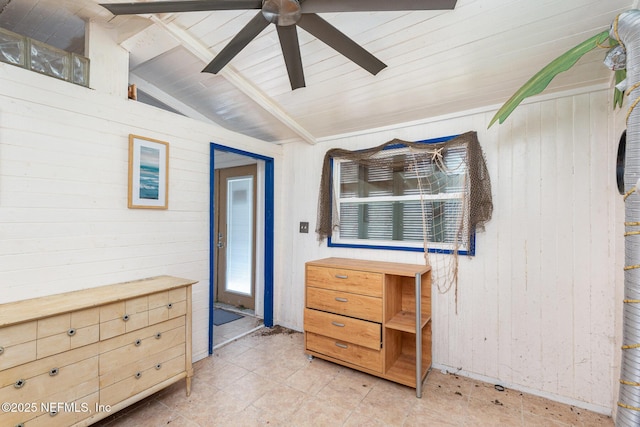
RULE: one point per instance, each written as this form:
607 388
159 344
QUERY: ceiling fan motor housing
281 12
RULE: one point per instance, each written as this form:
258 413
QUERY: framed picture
148 173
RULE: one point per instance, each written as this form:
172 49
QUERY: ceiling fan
286 14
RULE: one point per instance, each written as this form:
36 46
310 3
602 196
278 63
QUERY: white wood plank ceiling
439 62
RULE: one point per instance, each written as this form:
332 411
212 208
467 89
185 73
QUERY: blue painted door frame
268 233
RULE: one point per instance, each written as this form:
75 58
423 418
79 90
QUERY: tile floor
229 331
265 379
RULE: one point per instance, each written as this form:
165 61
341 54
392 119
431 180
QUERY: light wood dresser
75 358
371 316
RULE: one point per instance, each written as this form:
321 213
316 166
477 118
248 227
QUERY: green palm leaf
541 80
618 95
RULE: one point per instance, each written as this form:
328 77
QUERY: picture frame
148 173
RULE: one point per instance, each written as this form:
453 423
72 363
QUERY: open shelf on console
401 355
406 321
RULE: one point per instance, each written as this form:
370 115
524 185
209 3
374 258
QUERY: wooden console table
371 316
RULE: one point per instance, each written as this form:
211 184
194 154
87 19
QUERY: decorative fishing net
451 182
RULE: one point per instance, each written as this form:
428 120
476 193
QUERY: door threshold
244 311
244 334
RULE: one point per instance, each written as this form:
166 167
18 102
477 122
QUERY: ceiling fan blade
239 42
180 6
320 6
291 51
330 35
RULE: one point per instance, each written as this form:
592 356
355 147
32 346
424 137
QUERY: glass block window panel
42 58
80 70
12 48
50 61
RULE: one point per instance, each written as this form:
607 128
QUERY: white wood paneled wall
64 221
537 305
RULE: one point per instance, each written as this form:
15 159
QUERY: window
404 197
42 58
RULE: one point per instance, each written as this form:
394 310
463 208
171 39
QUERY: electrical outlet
304 227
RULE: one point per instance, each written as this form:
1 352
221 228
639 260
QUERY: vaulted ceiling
438 62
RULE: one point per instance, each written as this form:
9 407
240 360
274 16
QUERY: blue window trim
269 193
472 238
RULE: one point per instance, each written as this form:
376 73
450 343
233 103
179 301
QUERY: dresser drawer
63 408
43 385
348 329
63 362
74 377
354 305
126 368
18 344
67 331
344 280
347 352
167 305
66 411
60 324
124 316
141 344
138 380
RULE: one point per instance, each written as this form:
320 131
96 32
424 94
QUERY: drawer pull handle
340 325
138 375
1 350
126 317
170 305
71 332
341 276
53 412
338 344
341 299
20 425
20 383
158 366
138 342
53 372
159 335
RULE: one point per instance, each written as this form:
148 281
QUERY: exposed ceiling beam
162 96
228 72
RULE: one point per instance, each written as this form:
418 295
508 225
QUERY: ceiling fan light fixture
281 12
